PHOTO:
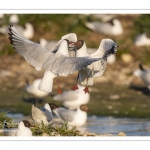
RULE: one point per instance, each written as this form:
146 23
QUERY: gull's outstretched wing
33 53
69 65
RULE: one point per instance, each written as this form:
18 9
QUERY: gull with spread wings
56 61
106 48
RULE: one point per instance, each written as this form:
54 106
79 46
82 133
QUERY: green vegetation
40 130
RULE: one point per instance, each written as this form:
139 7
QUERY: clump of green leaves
10 121
39 130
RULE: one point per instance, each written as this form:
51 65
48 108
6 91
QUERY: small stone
127 58
45 134
121 134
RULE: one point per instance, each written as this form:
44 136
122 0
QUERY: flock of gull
61 58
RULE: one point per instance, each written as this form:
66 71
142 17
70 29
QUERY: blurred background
117 93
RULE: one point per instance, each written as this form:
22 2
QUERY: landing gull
106 48
55 62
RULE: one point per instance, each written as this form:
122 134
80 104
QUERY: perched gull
144 74
32 89
56 61
113 27
24 128
142 40
106 48
73 117
44 114
73 99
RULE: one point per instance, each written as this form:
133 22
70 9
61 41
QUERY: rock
114 97
45 134
121 134
127 58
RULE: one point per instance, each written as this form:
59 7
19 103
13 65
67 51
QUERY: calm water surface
111 125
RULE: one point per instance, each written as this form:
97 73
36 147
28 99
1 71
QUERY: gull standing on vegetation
106 48
41 115
112 27
73 99
55 62
24 128
73 117
144 74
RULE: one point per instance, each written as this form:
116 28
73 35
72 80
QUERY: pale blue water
110 125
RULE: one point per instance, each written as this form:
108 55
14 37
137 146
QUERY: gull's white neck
82 52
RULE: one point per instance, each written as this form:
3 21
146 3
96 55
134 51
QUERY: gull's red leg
58 90
86 88
75 87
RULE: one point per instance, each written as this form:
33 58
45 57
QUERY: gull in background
41 115
73 117
73 99
144 74
32 89
142 40
56 62
106 48
47 44
112 27
27 31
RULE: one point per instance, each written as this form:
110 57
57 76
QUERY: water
111 125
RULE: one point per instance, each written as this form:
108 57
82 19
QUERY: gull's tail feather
46 83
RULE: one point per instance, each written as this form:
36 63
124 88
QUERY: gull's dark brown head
27 123
53 106
78 44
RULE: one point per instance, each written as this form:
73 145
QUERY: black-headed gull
41 115
106 48
24 128
32 89
144 74
112 27
73 99
73 117
142 40
55 62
